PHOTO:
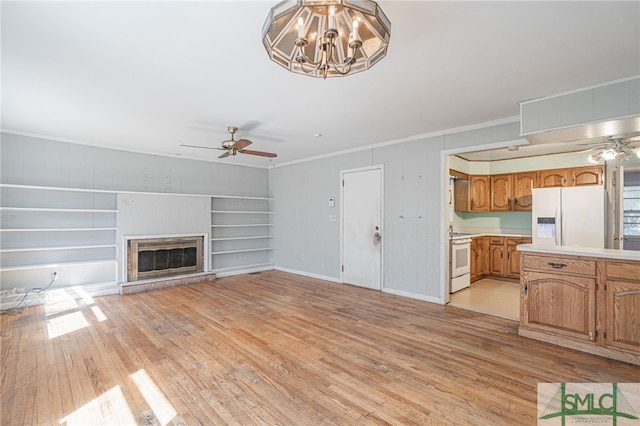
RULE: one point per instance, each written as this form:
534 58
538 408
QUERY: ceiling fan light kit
616 149
326 38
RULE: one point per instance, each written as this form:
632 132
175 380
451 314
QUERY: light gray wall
42 162
414 177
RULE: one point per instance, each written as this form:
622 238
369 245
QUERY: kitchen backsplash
499 222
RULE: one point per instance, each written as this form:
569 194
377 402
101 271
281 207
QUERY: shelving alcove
65 230
241 233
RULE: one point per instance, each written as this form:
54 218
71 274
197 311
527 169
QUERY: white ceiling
149 76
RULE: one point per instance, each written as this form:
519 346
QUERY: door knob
376 236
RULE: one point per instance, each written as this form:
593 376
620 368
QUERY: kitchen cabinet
513 256
622 294
553 178
473 262
584 302
558 295
479 258
587 176
479 193
512 191
471 195
497 258
577 176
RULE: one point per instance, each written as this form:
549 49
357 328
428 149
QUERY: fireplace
164 257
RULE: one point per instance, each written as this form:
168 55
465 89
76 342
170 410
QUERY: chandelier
326 38
616 149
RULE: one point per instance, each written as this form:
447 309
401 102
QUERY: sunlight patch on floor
161 407
110 408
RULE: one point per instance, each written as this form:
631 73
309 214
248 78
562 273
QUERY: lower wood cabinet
585 303
496 256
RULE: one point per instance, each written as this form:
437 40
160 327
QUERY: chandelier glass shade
327 38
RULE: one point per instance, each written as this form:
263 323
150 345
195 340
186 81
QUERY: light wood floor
489 296
275 348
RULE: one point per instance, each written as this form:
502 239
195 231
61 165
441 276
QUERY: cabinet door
513 261
474 261
501 192
496 259
482 251
559 304
479 193
623 314
523 183
553 178
461 195
587 176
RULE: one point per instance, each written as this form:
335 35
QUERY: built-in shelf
71 231
240 236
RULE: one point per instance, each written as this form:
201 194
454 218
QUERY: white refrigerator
573 216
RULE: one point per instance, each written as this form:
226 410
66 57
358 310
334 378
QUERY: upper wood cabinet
577 176
512 192
479 193
471 195
523 183
553 178
587 176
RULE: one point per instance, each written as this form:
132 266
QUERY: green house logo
588 403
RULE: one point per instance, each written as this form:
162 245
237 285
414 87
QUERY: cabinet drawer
496 240
560 264
623 270
518 240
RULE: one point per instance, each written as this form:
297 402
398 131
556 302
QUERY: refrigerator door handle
563 237
558 227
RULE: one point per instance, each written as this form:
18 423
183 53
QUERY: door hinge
342 182
342 268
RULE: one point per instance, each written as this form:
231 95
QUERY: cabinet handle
557 265
526 287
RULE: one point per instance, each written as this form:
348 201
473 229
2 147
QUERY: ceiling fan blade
591 149
225 155
260 153
197 146
241 143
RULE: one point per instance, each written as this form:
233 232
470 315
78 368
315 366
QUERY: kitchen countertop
459 235
581 251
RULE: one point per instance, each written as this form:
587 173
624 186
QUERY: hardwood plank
276 348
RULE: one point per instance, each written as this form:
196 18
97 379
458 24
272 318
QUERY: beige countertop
581 251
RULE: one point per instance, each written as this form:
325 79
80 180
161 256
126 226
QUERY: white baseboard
411 295
308 274
228 273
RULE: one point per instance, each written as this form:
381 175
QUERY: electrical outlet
54 276
302 257
241 255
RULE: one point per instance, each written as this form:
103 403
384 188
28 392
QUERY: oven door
460 257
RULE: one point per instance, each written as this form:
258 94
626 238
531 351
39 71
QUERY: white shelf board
243 211
84 247
56 265
42 209
55 229
242 225
257 237
241 251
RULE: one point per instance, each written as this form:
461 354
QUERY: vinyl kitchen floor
489 296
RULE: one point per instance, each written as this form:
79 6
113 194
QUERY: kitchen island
582 298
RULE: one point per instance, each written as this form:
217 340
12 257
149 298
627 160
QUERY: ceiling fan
232 147
621 148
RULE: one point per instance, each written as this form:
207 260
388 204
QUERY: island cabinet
558 295
623 305
586 303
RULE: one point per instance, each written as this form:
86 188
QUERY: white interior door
362 228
